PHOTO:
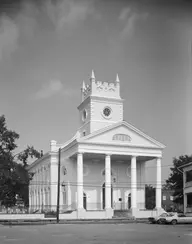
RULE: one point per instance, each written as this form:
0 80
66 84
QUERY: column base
108 213
81 213
134 212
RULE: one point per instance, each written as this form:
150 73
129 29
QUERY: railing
65 208
37 209
14 210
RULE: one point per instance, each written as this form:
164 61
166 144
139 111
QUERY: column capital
159 157
108 155
134 156
158 161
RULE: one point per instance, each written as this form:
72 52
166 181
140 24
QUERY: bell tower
101 105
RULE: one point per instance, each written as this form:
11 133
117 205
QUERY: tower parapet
109 89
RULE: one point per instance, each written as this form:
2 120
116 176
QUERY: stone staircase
122 214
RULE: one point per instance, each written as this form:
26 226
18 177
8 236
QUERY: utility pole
58 184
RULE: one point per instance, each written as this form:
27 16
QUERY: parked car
157 220
176 218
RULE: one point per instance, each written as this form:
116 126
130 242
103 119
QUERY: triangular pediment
122 133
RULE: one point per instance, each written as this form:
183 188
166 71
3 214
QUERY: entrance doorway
129 201
84 201
103 198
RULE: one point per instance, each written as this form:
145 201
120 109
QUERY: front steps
122 214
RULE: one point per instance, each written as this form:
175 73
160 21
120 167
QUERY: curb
86 221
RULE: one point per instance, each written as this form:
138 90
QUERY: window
171 198
84 115
121 137
164 198
84 133
188 175
64 195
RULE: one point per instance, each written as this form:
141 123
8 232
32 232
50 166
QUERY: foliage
7 139
28 152
150 197
175 180
14 178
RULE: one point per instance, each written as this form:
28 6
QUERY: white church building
102 166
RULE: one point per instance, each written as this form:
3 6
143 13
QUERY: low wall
95 214
21 216
147 213
72 215
88 215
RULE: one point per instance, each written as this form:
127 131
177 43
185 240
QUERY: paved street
96 234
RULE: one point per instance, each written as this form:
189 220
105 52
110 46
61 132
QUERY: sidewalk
71 221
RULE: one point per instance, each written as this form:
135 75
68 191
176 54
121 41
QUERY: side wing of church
102 166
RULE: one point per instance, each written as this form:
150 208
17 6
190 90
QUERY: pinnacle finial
83 85
92 75
117 78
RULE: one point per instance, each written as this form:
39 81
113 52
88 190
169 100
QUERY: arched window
64 191
121 137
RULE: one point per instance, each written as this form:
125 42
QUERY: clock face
107 111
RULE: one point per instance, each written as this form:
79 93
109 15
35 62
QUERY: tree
7 139
14 178
175 180
150 197
25 176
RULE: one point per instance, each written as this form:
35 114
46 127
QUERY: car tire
158 221
174 222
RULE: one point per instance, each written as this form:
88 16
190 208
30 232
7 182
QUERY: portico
109 156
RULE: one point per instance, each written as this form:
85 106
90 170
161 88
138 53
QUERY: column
158 184
32 204
35 200
143 185
133 182
44 198
30 199
68 195
53 183
79 181
185 202
39 199
107 182
53 174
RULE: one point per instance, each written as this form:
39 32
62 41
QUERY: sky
47 48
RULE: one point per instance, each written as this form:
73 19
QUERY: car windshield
163 215
171 214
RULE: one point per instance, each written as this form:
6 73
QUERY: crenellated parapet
109 89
